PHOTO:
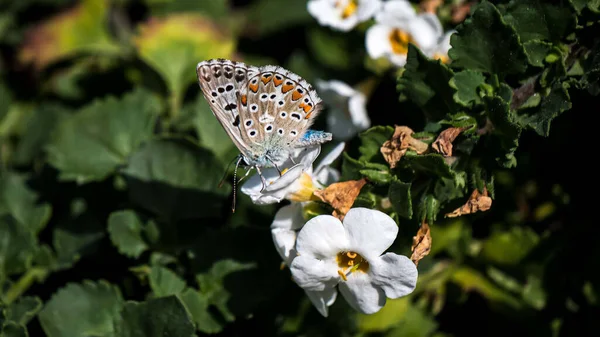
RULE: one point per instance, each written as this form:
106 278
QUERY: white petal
367 8
370 232
340 125
425 31
398 59
322 10
322 237
284 231
314 274
307 156
326 176
336 87
285 180
378 42
358 111
395 11
444 43
395 274
362 294
322 300
330 157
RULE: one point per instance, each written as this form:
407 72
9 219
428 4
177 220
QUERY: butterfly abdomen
312 137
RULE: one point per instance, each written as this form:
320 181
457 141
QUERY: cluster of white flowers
397 24
325 254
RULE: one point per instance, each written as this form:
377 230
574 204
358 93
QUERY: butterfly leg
245 175
275 165
264 181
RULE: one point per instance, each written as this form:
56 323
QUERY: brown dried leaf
460 11
431 6
402 140
341 196
421 244
477 202
443 143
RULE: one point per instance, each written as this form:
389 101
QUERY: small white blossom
349 255
347 109
397 25
342 15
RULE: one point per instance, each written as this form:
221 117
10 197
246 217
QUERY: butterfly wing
221 82
282 106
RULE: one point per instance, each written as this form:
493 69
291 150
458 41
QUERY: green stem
24 283
495 81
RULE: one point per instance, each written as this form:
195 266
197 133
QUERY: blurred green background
102 123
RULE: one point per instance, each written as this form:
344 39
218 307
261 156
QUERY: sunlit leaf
81 29
509 247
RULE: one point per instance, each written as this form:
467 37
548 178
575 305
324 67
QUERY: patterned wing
281 107
221 82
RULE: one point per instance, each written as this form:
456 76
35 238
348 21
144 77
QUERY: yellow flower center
399 40
305 190
349 7
442 57
350 262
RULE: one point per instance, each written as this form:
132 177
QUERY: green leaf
173 45
399 194
212 284
539 20
210 131
125 230
471 280
268 16
5 100
37 134
82 309
426 83
350 168
371 141
377 176
466 83
176 180
17 247
23 310
553 105
13 329
198 305
533 292
90 145
505 128
509 247
329 49
214 8
431 164
159 317
393 313
485 42
165 282
19 201
537 51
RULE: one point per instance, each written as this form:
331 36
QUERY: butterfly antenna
227 171
235 184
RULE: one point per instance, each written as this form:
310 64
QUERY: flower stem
18 288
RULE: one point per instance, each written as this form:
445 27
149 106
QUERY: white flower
297 183
342 15
441 50
349 255
398 24
348 109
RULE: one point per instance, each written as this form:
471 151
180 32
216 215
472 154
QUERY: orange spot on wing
244 99
296 95
277 82
266 78
286 88
306 107
253 87
308 115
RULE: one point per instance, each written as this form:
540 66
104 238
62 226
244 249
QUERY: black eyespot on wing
237 121
214 94
264 96
281 103
296 116
221 89
249 122
229 87
231 106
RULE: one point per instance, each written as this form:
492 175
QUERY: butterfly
266 111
